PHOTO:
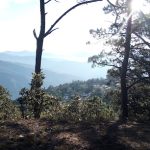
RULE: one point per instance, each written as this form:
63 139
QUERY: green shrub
139 102
32 100
78 110
95 109
8 109
35 102
51 107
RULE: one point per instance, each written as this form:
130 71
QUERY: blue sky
18 18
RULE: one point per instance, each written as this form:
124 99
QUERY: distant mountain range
16 70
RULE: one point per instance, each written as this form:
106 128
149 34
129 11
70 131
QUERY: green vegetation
139 102
84 89
35 102
128 39
8 110
80 101
112 113
78 110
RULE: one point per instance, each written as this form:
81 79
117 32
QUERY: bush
78 110
8 109
95 109
139 102
32 101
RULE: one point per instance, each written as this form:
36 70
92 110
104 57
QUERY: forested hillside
83 89
57 71
15 76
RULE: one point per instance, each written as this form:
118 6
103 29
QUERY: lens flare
138 5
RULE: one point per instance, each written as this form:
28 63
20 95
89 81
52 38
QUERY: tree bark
39 49
40 39
124 89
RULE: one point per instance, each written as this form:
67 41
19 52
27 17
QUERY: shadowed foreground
48 135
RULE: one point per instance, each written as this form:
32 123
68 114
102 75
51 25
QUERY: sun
139 5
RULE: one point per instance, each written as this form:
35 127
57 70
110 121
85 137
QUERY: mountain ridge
16 68
15 80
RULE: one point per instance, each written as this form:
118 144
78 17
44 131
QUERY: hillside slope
15 76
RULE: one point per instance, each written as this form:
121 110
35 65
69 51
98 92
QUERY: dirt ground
44 134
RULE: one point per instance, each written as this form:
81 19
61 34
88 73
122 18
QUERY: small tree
23 101
31 100
35 101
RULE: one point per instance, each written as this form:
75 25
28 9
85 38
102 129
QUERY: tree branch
47 2
35 35
115 9
106 64
138 81
65 13
131 85
145 42
113 4
53 30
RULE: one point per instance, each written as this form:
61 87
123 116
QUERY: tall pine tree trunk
40 39
39 47
43 34
39 50
124 90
